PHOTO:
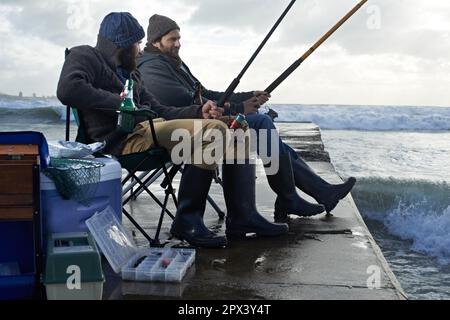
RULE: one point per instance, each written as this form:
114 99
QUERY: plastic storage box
74 269
145 264
68 216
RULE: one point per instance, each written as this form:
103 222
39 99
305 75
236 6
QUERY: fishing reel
270 112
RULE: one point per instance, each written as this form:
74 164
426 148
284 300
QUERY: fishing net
75 179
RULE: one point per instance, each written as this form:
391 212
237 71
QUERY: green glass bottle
126 121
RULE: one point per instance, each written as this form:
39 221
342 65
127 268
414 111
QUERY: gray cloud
411 44
310 19
250 14
46 20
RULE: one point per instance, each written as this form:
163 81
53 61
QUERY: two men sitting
92 80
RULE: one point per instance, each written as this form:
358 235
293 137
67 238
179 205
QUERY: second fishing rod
272 113
305 56
232 87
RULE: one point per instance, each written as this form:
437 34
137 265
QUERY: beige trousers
205 141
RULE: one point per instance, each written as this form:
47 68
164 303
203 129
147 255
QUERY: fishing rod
230 90
297 63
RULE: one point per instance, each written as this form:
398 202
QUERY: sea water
400 155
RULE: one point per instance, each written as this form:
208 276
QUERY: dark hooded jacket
89 83
176 86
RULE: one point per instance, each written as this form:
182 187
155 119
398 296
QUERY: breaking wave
368 118
417 211
33 110
45 115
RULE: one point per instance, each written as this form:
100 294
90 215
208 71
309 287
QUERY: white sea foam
367 118
418 211
28 103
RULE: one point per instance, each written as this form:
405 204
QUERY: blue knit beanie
122 29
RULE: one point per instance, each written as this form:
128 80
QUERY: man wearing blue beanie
122 29
92 80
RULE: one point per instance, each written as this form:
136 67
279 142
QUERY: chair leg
143 186
156 241
221 214
170 191
151 195
170 188
172 173
132 184
217 179
217 208
150 179
134 222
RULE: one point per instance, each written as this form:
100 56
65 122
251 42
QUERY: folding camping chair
152 163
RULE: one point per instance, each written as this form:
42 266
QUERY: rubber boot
243 217
324 193
188 224
288 201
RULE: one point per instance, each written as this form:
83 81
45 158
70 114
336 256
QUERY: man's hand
210 110
253 104
262 96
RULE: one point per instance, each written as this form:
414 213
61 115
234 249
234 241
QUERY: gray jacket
177 86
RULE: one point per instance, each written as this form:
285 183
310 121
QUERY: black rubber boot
288 201
243 217
324 193
188 224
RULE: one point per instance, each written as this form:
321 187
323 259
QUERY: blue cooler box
69 216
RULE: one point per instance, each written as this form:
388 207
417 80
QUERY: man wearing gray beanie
158 27
171 81
239 186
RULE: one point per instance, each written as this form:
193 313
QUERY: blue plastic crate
17 248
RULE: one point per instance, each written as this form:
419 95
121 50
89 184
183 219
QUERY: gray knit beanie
158 27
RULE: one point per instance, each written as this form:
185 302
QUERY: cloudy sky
392 52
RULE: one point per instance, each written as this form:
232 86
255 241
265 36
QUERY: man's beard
174 53
171 54
127 59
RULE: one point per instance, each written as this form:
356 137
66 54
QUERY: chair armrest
144 113
150 115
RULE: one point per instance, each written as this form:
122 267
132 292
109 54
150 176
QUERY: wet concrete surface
322 258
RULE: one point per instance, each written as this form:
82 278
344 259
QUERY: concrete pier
322 258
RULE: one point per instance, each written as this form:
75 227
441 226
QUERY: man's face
170 44
128 57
